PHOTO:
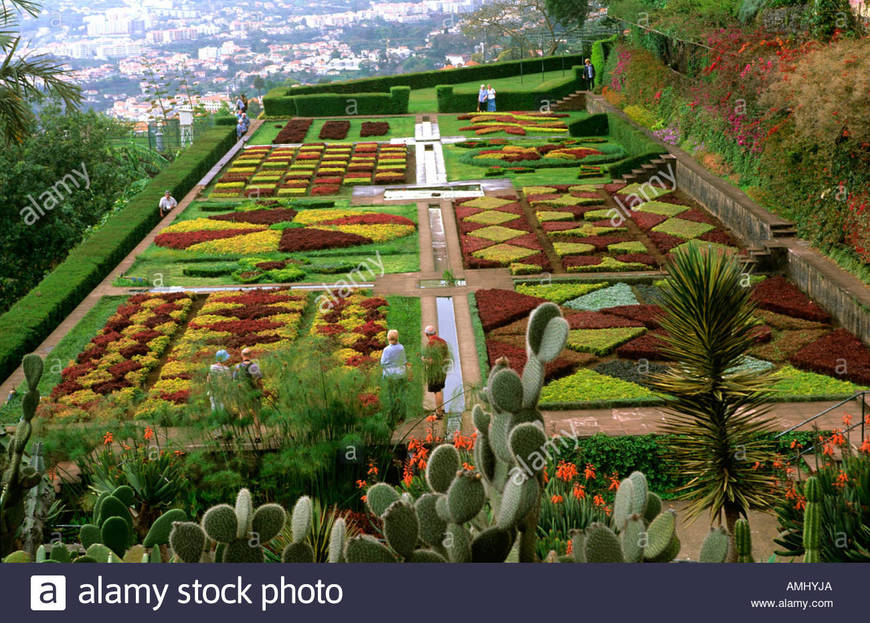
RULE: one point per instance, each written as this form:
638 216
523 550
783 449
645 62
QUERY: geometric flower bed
670 222
263 320
514 123
374 128
311 169
494 232
334 130
538 155
294 131
583 232
357 326
129 346
285 230
615 342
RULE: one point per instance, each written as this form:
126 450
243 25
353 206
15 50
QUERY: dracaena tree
716 407
26 77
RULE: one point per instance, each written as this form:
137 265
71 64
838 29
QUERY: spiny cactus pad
660 533
297 552
221 523
715 546
622 503
268 522
100 552
115 533
243 550
639 493
465 497
442 467
432 527
401 528
506 391
480 418
491 545
602 544
33 366
160 529
578 545
379 497
187 540
484 457
301 519
89 534
653 506
364 548
244 510
426 555
336 540
546 332
458 543
633 539
520 494
526 442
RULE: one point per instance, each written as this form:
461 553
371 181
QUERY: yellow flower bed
205 224
257 242
378 233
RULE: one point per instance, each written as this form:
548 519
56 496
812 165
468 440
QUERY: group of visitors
396 371
242 116
486 98
238 389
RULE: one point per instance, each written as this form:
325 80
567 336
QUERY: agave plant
716 410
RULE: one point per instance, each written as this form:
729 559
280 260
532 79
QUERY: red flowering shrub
839 354
779 295
309 239
258 217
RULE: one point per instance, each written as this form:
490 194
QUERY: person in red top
436 363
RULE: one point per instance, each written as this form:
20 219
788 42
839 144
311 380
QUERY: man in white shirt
167 202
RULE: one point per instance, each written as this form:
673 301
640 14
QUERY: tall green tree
25 77
716 409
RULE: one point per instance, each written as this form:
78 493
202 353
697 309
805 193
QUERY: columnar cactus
446 523
743 541
239 532
17 480
812 520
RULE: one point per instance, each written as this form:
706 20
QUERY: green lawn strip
479 337
66 351
405 316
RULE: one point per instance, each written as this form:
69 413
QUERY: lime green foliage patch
558 292
683 228
609 265
588 386
586 229
584 188
708 246
601 341
572 248
497 233
504 253
491 217
538 190
662 208
794 384
518 268
487 203
645 190
568 200
633 246
600 215
612 296
552 215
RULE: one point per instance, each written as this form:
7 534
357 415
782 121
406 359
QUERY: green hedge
537 97
27 323
593 125
639 147
600 51
338 104
429 79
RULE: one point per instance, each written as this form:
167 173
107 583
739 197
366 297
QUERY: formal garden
625 354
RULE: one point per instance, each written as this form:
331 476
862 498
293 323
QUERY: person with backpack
249 387
217 381
436 364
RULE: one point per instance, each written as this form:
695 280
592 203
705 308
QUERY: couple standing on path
486 98
395 366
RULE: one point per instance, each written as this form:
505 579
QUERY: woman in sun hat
218 380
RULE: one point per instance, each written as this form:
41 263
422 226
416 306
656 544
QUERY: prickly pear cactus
17 480
446 524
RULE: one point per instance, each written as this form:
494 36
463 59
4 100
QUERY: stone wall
788 19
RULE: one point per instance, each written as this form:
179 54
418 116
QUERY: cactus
17 480
239 532
743 541
715 546
812 536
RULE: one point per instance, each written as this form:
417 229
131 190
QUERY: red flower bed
370 219
647 220
374 128
258 217
599 320
777 294
325 189
500 307
718 236
251 312
516 356
646 346
664 242
294 131
182 240
270 266
334 181
570 261
642 258
648 315
839 354
389 178
309 239
334 130
259 192
240 327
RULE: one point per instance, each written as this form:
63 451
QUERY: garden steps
572 101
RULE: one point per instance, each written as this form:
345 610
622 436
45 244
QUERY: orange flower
373 470
360 484
569 548
149 433
126 447
614 482
865 447
589 472
407 477
842 479
431 418
847 419
801 503
790 493
566 471
796 444
758 464
178 453
108 438
468 467
838 439
557 499
828 450
579 491
546 476
598 500
363 498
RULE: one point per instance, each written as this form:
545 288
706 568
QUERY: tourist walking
436 363
481 98
490 98
394 371
167 202
243 125
249 387
589 75
241 104
218 381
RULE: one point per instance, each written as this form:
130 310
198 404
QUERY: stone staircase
665 166
572 101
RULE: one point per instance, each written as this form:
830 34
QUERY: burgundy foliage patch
309 239
779 295
839 354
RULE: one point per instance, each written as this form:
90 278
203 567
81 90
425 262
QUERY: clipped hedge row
539 97
428 79
27 323
600 51
337 104
593 125
639 147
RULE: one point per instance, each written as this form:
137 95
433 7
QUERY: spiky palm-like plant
716 410
25 77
